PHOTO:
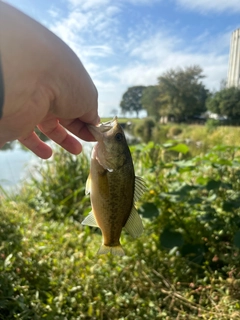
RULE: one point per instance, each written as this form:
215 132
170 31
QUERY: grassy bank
185 266
199 138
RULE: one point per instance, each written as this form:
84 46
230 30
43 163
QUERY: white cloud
162 51
214 67
88 4
212 5
117 61
54 12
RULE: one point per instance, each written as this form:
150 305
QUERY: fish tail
116 251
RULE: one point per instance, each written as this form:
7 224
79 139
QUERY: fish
113 187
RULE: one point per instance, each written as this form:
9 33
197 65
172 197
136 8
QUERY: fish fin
116 251
134 224
140 188
88 185
90 221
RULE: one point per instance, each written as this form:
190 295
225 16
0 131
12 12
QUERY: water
17 165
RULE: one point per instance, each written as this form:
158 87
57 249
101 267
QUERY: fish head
112 150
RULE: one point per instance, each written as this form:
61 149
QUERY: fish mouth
99 130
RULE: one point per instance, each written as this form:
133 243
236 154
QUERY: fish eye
119 136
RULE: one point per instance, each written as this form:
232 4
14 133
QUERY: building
233 79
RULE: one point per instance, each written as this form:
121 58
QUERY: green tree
182 94
131 100
225 102
150 101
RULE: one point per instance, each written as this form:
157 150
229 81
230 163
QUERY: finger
90 117
36 145
52 129
78 128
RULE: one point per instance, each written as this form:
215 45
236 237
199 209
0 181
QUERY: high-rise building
233 79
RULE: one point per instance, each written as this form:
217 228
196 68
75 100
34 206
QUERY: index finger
78 128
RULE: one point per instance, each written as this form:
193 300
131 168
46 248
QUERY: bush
212 124
144 129
199 203
174 131
60 192
159 133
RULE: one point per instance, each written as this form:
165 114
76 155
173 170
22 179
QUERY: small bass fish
113 187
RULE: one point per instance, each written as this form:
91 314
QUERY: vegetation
179 94
58 195
131 100
182 95
150 101
226 102
144 129
185 266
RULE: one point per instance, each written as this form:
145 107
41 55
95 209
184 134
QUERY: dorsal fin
140 188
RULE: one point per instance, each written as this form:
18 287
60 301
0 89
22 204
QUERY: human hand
45 86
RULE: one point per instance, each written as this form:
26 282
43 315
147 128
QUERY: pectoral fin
90 221
88 185
134 224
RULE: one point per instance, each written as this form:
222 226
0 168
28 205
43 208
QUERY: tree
131 100
150 101
225 102
182 94
114 112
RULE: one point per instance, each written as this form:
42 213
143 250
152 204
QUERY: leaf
193 252
149 210
184 190
213 184
207 217
7 261
232 204
170 239
236 239
196 200
168 144
181 148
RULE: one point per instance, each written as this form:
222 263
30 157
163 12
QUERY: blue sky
123 43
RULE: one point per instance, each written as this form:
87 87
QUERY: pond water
17 165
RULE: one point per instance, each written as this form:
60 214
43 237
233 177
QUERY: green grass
49 270
123 120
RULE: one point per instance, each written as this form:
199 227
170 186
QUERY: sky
123 43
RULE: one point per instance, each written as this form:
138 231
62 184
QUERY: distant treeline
181 96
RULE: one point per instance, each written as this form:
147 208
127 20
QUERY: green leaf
193 252
236 239
213 184
149 210
232 204
184 190
181 148
170 239
207 217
